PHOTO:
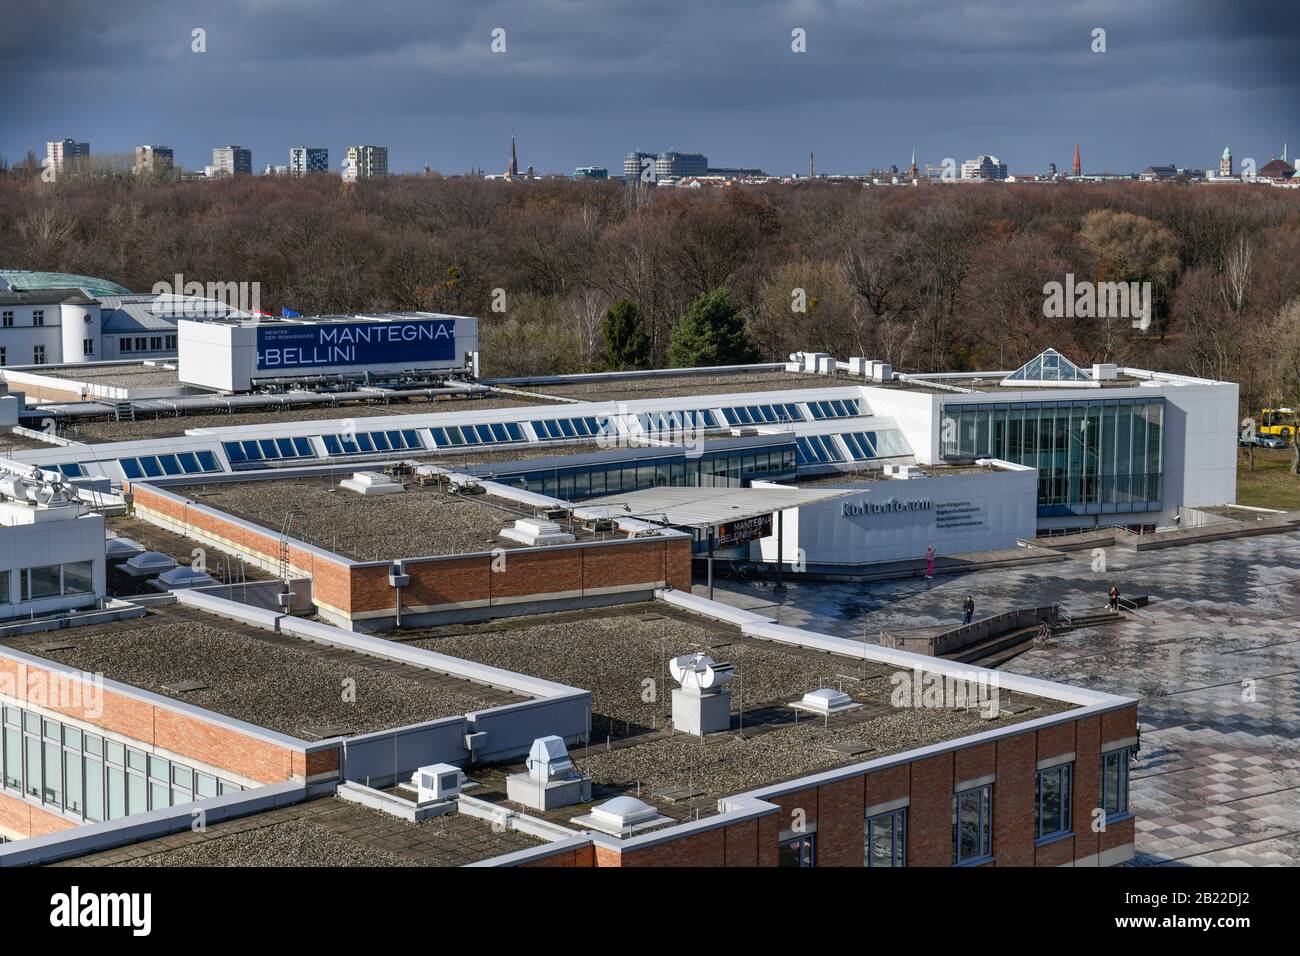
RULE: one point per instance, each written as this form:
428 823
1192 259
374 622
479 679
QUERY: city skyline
872 84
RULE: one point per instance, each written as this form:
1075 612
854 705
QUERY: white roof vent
118 548
439 781
148 563
622 816
700 671
548 759
183 577
372 483
825 702
537 531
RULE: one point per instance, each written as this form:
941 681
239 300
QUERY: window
886 839
171 342
972 825
453 436
42 582
124 345
798 851
38 317
837 408
38 354
1054 785
78 577
1114 781
4 356
8 319
141 344
817 449
87 346
564 428
5 596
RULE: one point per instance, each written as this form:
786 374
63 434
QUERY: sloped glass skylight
1048 368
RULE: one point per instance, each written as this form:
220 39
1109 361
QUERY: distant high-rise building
366 162
1051 170
1225 162
677 165
984 167
634 163
153 159
591 172
308 159
232 161
56 154
1076 168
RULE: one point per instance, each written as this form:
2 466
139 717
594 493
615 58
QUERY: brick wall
835 810
357 591
18 818
153 725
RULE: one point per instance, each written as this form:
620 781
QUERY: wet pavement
1214 661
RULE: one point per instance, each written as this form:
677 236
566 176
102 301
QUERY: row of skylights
451 436
268 449
560 428
836 408
677 421
817 450
158 466
867 445
763 414
367 443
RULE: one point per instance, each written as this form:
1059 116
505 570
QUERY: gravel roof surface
328 832
611 652
107 431
126 375
417 522
10 441
671 386
276 682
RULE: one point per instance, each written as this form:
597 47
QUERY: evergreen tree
626 343
712 332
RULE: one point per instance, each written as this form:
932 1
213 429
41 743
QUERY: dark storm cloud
585 81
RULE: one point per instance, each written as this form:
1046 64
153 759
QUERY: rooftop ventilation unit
439 781
701 705
551 779
535 531
902 471
148 564
622 817
812 361
1105 372
462 485
372 483
825 702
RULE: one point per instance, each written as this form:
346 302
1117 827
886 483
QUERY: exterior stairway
1001 648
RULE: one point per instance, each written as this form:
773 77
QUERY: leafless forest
929 277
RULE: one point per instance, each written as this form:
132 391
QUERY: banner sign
410 343
747 529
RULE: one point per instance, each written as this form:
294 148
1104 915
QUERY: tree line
573 276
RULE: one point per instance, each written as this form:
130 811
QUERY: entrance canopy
704 508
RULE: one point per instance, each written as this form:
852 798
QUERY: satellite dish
699 671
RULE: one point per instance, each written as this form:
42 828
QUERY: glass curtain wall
1093 457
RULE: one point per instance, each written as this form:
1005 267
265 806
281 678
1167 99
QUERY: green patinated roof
25 280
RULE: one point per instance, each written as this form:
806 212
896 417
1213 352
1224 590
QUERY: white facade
897 519
224 355
51 558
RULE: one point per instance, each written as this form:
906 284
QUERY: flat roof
377 317
271 680
612 651
665 385
108 430
119 374
702 507
420 521
326 832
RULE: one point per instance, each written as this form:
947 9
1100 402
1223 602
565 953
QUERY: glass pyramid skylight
1049 368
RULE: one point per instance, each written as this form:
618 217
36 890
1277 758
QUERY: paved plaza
1213 661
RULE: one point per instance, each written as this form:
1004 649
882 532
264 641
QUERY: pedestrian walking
929 565
1114 596
968 607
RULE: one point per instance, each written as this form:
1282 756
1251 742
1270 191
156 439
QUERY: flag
290 314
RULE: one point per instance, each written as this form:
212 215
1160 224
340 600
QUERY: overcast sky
584 81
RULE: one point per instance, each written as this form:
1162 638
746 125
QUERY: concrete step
1008 640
